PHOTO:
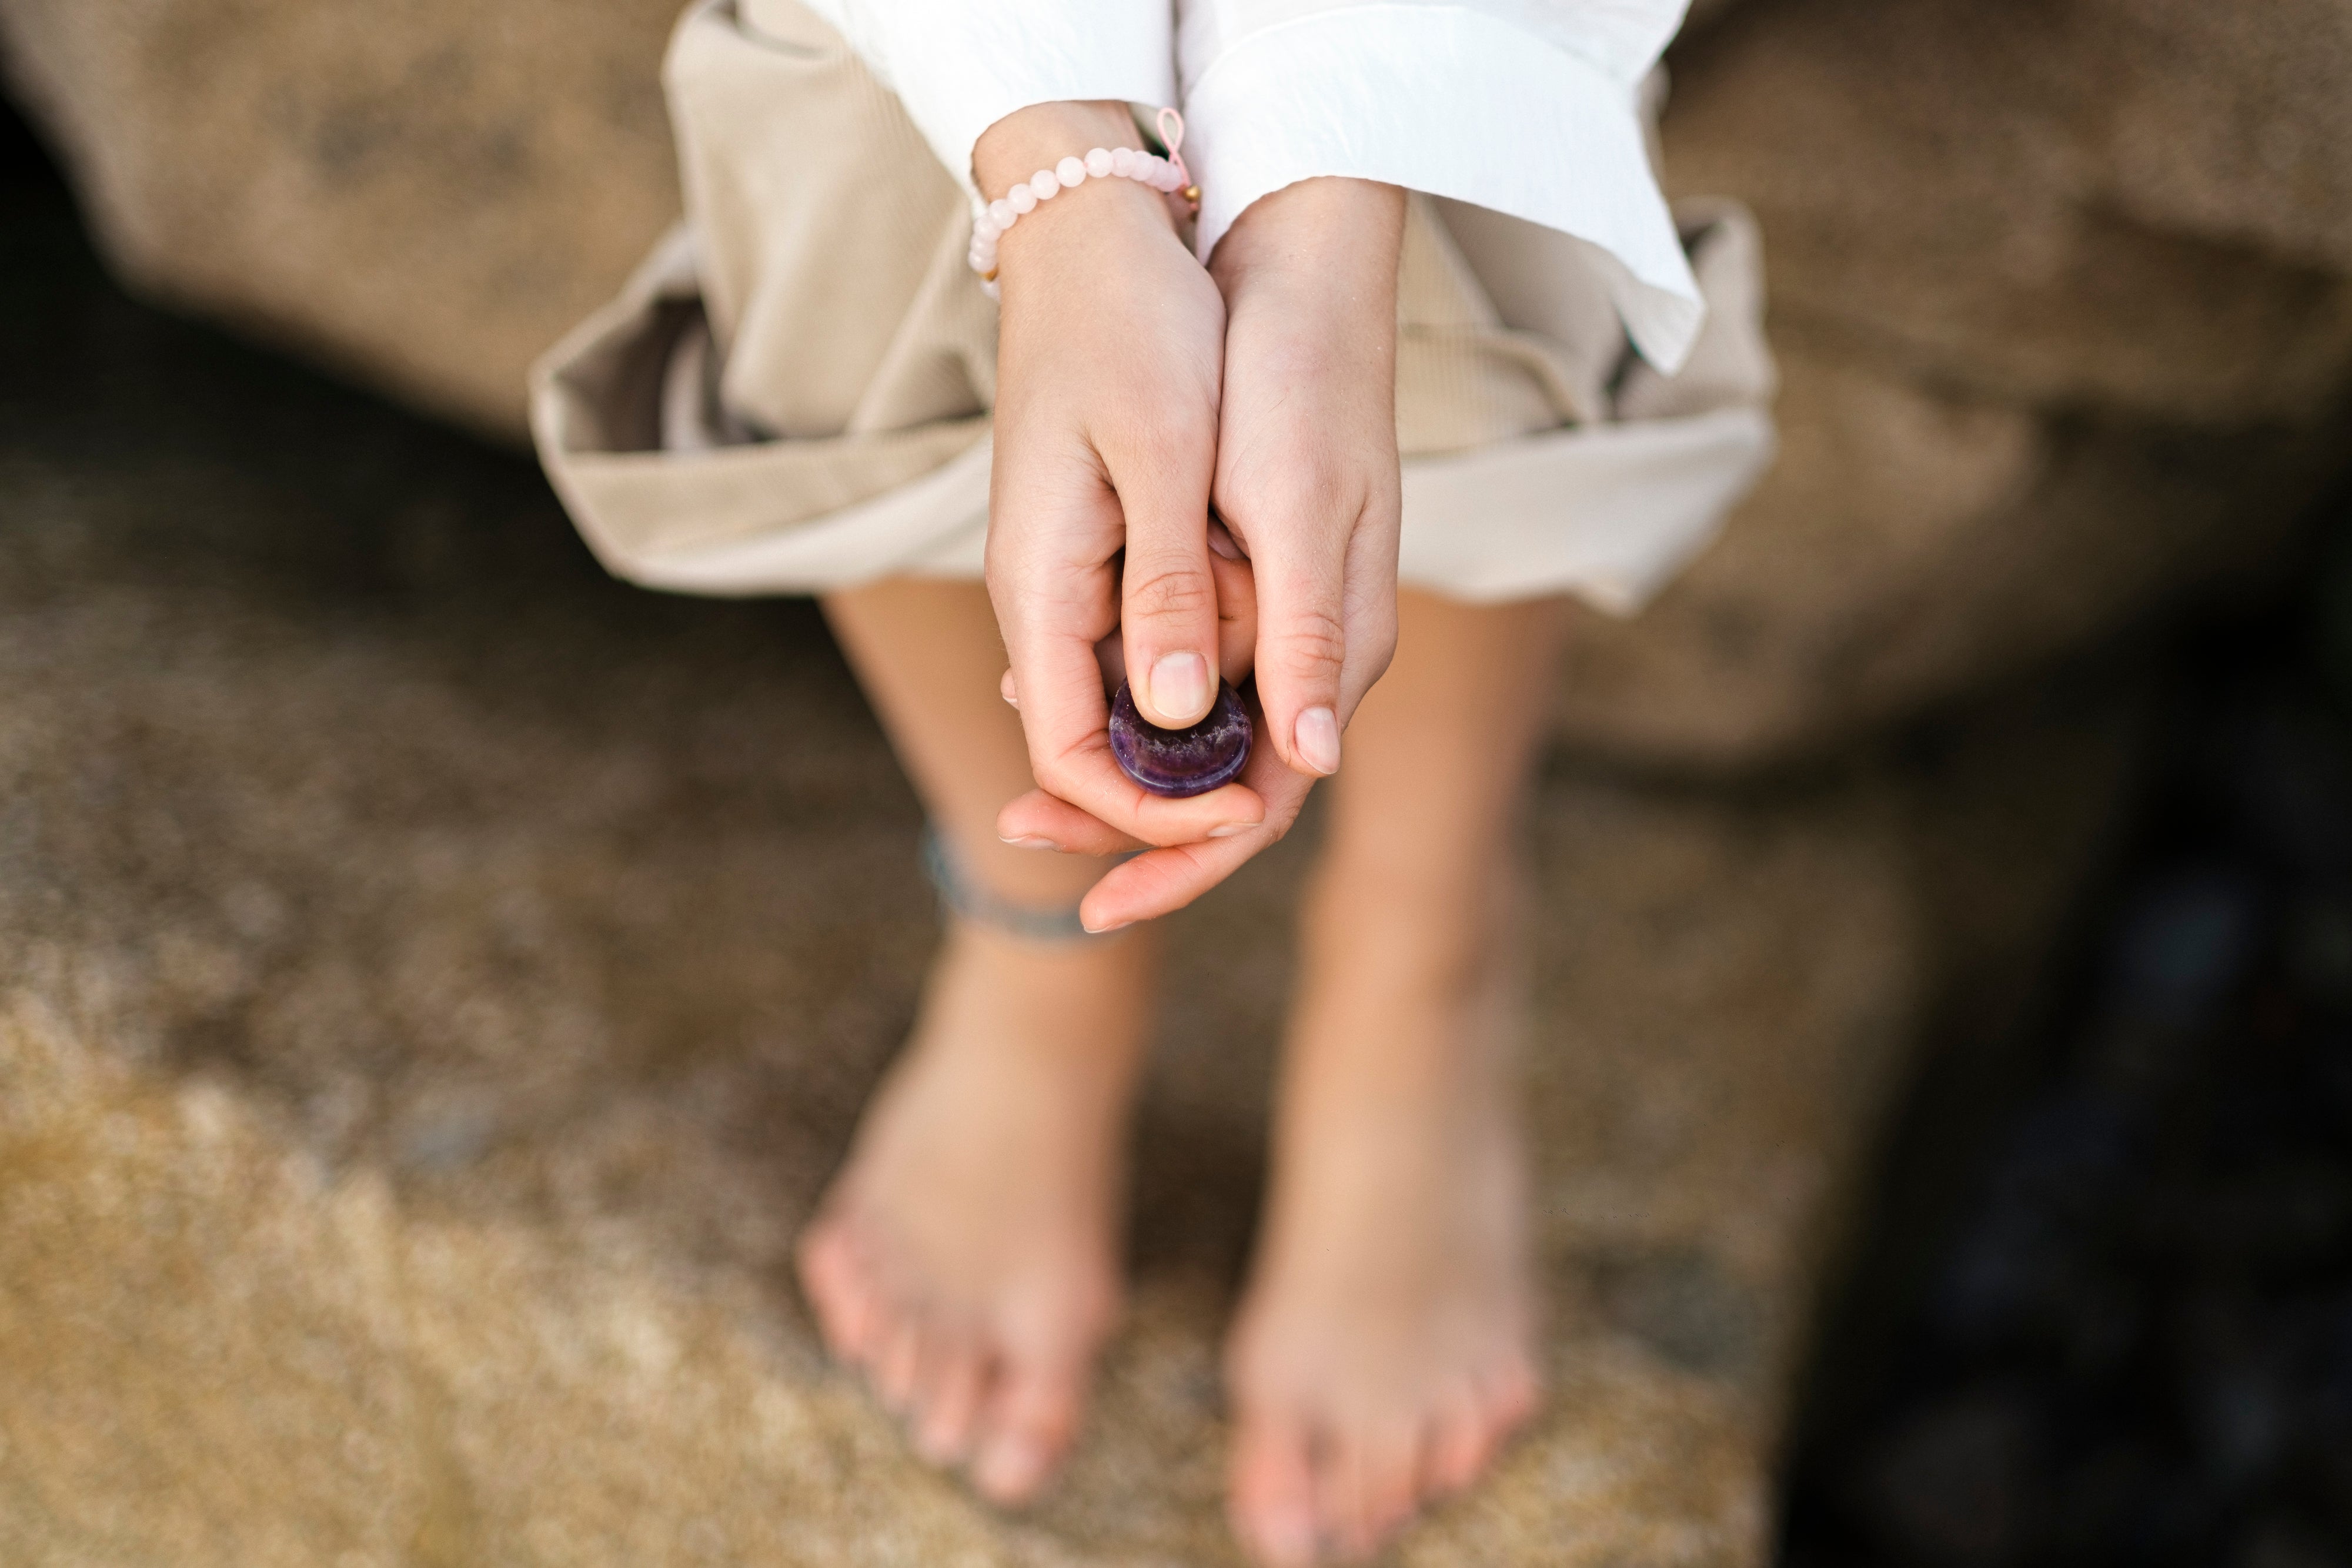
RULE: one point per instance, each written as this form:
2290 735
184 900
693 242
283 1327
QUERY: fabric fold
1459 101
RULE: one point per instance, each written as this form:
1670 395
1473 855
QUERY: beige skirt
792 394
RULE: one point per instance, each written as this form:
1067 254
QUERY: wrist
1330 233
1014 152
1042 135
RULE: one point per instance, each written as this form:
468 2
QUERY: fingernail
1230 829
1030 844
1317 740
1104 930
1179 686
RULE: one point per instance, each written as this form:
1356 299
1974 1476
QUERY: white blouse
1527 107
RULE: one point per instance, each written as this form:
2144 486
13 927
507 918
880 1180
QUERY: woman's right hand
1306 485
1110 360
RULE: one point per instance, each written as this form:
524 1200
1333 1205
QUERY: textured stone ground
434 982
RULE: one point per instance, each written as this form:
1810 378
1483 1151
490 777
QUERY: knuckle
1311 645
1173 442
1170 592
1062 773
1307 491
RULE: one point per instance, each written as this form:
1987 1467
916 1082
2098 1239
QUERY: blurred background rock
434 980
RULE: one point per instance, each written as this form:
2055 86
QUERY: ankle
1077 1009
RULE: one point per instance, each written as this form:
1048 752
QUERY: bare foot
966 1258
1383 1351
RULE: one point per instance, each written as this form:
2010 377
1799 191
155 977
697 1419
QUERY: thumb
1302 648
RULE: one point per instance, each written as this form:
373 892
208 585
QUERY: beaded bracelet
1167 175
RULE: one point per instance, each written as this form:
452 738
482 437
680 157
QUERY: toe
1461 1440
947 1403
835 1284
1513 1393
899 1361
1270 1491
1025 1427
1365 1483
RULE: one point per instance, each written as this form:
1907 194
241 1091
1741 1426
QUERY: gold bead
1192 194
988 277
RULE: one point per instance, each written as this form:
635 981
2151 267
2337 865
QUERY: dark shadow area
2113 1324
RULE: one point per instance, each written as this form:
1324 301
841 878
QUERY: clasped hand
1195 479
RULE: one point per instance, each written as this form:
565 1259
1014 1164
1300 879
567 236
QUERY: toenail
1288 1538
1010 1467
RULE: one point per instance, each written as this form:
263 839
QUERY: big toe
837 1282
1270 1491
1026 1428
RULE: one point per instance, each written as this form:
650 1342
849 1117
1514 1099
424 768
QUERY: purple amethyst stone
1180 762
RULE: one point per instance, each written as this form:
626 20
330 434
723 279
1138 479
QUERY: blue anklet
960 896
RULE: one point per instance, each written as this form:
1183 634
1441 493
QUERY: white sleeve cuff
1458 103
960 65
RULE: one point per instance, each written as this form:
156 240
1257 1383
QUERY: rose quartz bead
1002 211
1098 163
1071 171
1046 183
1022 198
1124 163
985 231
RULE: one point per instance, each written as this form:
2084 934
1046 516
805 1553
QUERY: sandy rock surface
434 982
423 197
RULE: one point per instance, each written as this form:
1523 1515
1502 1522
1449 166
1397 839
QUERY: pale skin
965 1258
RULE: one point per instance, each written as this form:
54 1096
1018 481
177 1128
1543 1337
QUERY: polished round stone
1180 762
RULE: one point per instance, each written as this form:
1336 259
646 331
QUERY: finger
1302 636
1368 607
1236 584
1162 881
1085 775
1110 657
1040 821
1168 600
1236 628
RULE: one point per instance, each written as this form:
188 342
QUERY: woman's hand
1305 481
1109 361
